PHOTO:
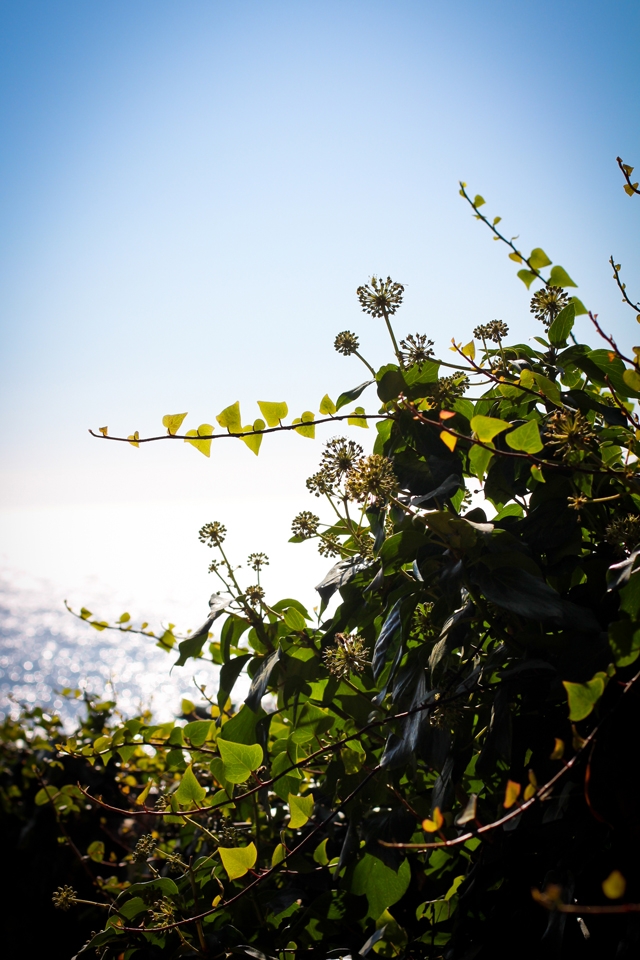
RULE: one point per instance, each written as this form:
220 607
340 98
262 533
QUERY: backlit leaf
193 437
294 619
190 792
560 278
327 406
381 885
230 417
239 759
173 422
479 459
479 201
516 257
142 797
352 394
511 794
237 861
435 824
525 438
558 750
133 439
104 431
301 809
538 259
273 412
632 379
537 473
448 439
583 697
310 431
562 325
527 277
95 851
579 306
486 428
614 886
357 420
253 440
469 350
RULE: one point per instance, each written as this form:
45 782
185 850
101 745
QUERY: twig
622 286
626 172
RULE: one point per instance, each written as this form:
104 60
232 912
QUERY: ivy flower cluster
495 331
213 534
416 350
348 655
547 303
380 297
346 343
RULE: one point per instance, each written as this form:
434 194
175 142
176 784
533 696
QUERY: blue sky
191 193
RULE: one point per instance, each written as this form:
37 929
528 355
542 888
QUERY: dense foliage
443 766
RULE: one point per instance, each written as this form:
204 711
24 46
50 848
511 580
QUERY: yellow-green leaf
479 459
527 277
479 201
320 853
579 306
273 412
173 422
95 851
254 440
525 438
558 749
327 406
516 257
469 350
486 428
306 431
511 794
583 697
239 759
537 474
189 792
133 439
124 618
238 860
278 854
294 619
538 259
448 439
193 437
435 824
230 418
614 886
300 809
632 379
560 278
357 419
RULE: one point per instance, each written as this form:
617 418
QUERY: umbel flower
497 330
346 343
144 848
623 533
446 390
64 898
339 456
547 303
348 655
372 478
254 594
257 561
416 350
320 484
380 297
305 525
212 534
570 432
329 546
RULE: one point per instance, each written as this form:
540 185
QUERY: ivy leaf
479 201
273 412
583 697
239 759
133 439
300 809
479 459
632 379
357 419
538 259
614 886
204 430
486 428
352 394
562 325
381 885
579 306
173 422
560 278
469 350
190 792
294 619
527 277
95 851
448 439
230 418
310 431
511 794
255 439
435 824
237 861
516 257
327 406
142 797
525 438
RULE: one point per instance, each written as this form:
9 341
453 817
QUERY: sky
191 193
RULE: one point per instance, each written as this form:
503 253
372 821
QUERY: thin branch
626 172
609 339
622 287
249 433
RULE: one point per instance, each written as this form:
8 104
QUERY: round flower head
212 534
257 561
416 350
380 297
446 390
349 655
320 484
329 546
497 330
305 525
338 457
254 594
346 343
547 303
372 478
64 897
144 848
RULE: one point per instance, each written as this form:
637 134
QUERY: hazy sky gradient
191 193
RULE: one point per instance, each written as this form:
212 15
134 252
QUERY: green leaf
527 277
310 431
579 306
538 259
381 885
632 379
357 420
560 278
516 257
294 619
141 798
562 325
537 474
525 438
479 201
95 850
300 809
237 861
45 795
204 430
198 732
255 439
548 388
486 428
173 422
273 412
479 459
230 418
353 394
239 759
190 792
584 696
327 406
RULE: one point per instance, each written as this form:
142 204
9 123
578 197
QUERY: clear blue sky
191 193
